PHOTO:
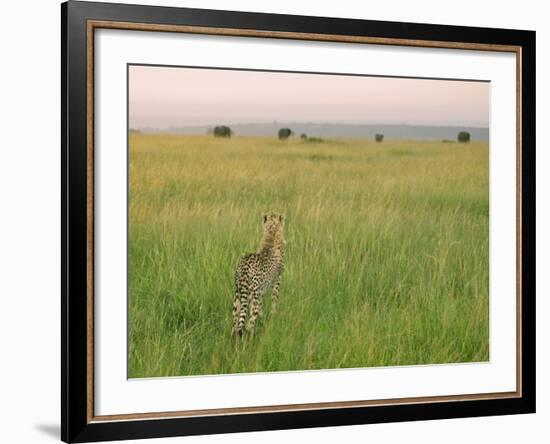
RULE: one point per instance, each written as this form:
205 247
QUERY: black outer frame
74 423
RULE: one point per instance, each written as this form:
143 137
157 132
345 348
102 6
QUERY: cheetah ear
282 217
265 218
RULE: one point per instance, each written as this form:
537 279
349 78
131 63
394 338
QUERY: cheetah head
273 224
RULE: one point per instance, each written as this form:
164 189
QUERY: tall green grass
386 254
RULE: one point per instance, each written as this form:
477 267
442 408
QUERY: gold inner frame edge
92 25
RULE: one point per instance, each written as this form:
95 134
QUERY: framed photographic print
275 221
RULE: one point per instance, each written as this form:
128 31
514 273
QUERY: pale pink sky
171 96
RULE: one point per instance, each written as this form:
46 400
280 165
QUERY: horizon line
288 123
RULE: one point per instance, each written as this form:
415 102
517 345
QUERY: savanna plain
386 262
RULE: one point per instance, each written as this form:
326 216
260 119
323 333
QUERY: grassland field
386 253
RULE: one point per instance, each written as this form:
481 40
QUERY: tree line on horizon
284 133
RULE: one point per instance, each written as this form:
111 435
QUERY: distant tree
463 137
303 136
134 131
222 131
284 133
379 137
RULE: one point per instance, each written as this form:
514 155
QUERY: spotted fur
256 273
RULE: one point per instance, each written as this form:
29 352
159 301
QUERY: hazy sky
161 97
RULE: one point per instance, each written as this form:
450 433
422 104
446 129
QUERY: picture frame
80 23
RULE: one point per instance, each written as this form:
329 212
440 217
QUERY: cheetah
256 273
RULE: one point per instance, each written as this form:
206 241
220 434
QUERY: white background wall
30 208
